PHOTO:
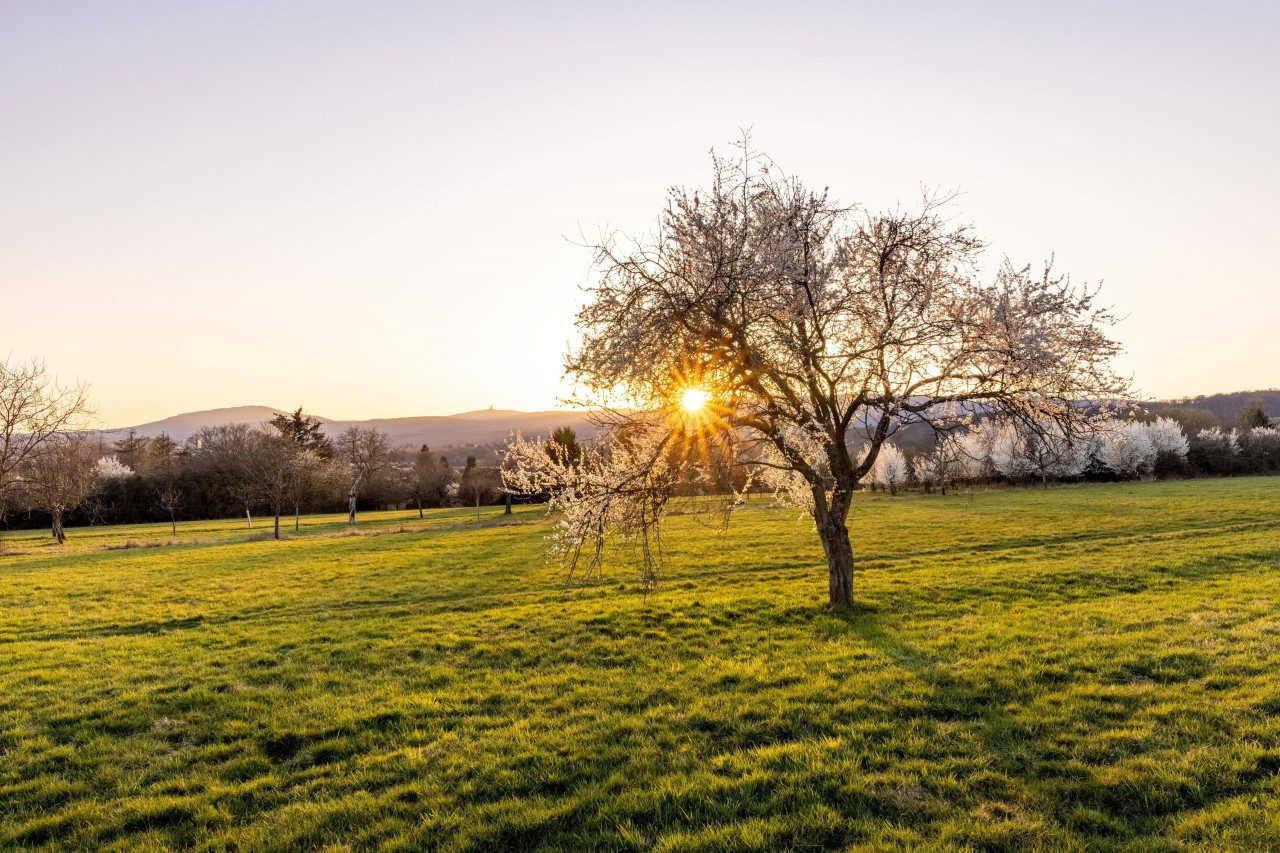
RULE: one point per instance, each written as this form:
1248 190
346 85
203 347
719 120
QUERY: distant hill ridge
486 426
1226 405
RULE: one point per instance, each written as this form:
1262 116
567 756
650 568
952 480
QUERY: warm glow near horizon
214 205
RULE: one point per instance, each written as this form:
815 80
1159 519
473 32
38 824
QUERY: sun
694 400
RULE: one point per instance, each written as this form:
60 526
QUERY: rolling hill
480 428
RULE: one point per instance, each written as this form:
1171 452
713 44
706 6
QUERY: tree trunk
834 533
351 507
839 551
297 517
58 532
248 515
477 506
507 511
173 523
277 524
420 515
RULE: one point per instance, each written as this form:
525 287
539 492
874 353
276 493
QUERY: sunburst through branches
694 400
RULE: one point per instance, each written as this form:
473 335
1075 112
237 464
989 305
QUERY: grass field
1078 668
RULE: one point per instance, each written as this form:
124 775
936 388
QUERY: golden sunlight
693 400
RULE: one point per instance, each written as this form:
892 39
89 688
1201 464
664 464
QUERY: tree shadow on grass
952 698
1066 793
135 629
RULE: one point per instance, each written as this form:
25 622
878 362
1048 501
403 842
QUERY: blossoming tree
764 325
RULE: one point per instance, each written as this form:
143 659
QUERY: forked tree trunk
58 532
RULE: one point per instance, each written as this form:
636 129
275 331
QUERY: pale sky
367 209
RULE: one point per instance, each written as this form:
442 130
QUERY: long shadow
400 606
1013 749
1024 543
135 629
953 697
1025 752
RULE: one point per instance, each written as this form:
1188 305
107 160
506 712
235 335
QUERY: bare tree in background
34 409
59 478
366 452
170 500
221 452
479 484
430 479
817 331
276 466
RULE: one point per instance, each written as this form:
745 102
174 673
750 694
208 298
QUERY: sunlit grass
1072 668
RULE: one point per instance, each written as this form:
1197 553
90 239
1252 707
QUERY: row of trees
1118 450
286 466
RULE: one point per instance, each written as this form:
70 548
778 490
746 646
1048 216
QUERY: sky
376 210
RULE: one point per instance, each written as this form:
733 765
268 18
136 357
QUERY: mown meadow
1073 668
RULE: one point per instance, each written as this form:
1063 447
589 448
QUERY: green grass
1078 668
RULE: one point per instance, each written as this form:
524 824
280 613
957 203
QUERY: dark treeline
280 469
1227 406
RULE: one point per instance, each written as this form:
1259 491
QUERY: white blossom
1167 437
111 468
1127 449
890 469
1227 443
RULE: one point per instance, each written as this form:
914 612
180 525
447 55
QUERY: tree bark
839 550
58 532
249 516
277 524
507 511
420 515
173 523
834 533
297 517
